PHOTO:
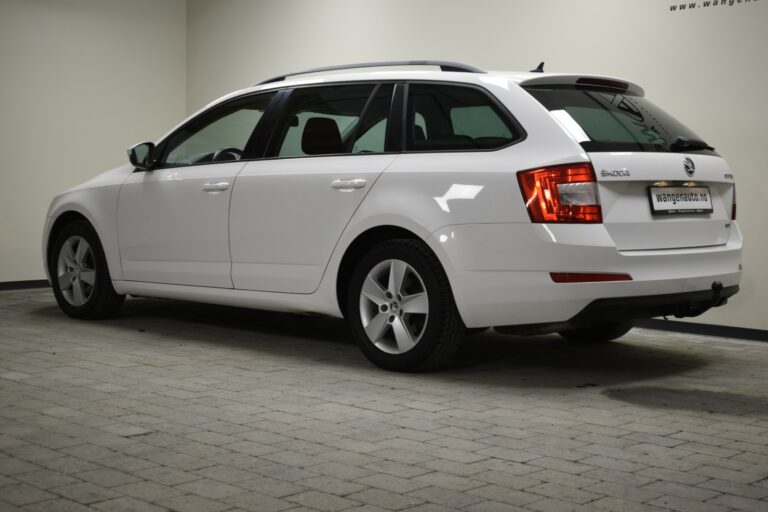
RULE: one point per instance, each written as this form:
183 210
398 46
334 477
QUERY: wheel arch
58 224
359 246
365 241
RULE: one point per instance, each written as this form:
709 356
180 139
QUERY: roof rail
442 64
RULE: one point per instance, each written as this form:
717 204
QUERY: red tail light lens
579 277
733 208
561 193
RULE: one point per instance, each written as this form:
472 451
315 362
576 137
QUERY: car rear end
645 226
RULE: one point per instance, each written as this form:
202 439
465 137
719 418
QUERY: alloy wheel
75 271
394 306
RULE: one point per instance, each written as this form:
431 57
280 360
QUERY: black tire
599 333
442 330
102 301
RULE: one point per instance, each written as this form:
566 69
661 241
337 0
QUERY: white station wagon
419 204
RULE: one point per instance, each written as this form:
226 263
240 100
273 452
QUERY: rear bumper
679 305
499 274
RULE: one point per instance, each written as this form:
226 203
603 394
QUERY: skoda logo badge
690 169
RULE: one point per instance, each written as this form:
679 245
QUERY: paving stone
625 492
446 497
690 492
246 410
685 505
256 502
740 503
556 505
46 479
147 491
274 487
127 504
504 495
392 483
167 476
106 477
57 505
673 476
564 493
23 494
10 466
385 499
209 488
741 477
86 493
747 491
322 501
334 485
192 503
612 504
340 470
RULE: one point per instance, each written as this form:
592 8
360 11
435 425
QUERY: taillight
733 208
561 193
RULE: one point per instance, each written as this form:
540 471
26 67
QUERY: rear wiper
683 143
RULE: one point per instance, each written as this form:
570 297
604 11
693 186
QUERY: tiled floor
202 408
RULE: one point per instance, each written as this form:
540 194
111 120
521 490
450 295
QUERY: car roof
426 72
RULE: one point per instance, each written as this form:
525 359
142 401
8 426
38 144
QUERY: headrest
321 137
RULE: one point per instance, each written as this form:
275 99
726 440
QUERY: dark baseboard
723 331
24 285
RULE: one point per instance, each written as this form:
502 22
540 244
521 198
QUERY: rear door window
452 117
613 121
326 121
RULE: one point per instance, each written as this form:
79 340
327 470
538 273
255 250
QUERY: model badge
616 173
690 169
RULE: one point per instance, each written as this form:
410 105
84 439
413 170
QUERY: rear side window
451 117
322 120
613 121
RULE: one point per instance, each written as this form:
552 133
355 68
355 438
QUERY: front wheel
599 333
79 273
400 307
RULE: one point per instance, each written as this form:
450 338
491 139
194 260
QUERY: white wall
80 81
706 66
83 79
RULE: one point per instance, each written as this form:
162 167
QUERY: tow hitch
697 308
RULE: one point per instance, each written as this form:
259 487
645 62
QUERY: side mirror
140 155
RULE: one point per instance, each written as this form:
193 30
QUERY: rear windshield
613 121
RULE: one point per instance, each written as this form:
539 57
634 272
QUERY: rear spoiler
600 82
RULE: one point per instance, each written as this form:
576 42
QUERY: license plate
671 200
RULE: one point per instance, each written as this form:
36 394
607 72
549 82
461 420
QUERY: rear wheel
79 273
400 307
599 333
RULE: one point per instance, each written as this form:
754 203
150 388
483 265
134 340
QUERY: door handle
216 187
348 184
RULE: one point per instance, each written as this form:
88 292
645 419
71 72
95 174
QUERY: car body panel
96 200
171 230
503 270
625 202
289 252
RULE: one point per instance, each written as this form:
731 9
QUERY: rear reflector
561 193
577 277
